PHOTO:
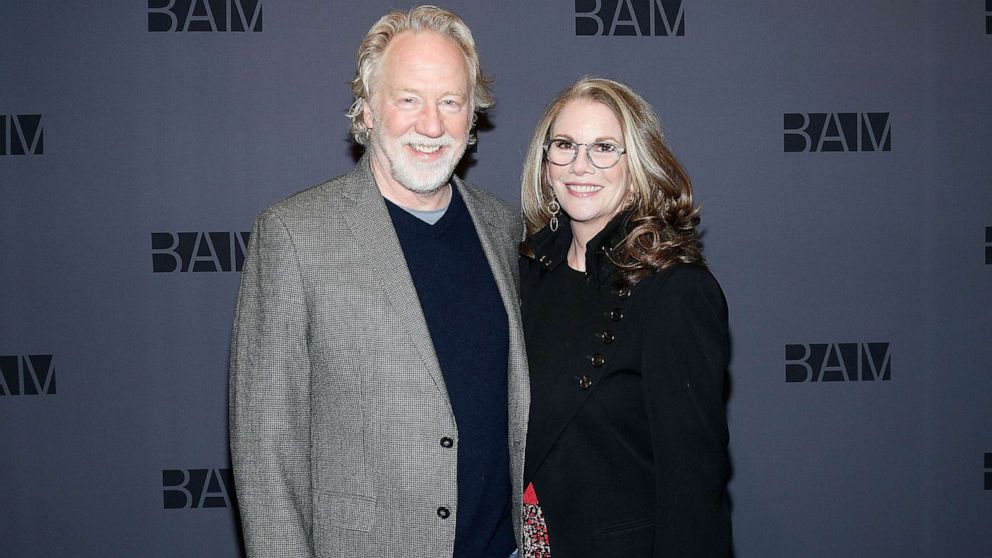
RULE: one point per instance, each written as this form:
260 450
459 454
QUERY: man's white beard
418 176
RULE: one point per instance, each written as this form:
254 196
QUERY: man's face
419 113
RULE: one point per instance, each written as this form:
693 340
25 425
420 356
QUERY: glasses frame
575 153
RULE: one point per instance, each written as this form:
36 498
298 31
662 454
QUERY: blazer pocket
629 537
347 511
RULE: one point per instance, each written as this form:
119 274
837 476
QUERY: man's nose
429 124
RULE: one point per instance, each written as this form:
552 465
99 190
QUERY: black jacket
627 443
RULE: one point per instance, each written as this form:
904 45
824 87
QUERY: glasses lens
604 155
561 152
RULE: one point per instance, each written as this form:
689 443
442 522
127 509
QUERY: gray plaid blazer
337 401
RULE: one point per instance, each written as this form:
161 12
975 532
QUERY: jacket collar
551 247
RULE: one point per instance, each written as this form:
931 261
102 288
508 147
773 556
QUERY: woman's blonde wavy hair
417 19
661 230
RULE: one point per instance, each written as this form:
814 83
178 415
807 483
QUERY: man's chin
424 189
427 183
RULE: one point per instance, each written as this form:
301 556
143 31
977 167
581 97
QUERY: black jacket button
606 336
447 442
617 314
623 293
443 512
597 360
585 382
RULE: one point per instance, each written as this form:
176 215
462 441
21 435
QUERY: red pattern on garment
536 543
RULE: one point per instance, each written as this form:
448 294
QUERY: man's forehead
426 50
433 65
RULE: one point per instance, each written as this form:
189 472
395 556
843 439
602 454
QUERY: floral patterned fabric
536 544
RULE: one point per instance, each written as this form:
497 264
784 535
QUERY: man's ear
367 114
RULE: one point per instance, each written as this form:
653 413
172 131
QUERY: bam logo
197 488
630 18
988 240
198 251
21 134
837 362
988 467
837 131
27 375
205 15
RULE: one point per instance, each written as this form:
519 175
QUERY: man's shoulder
490 202
323 198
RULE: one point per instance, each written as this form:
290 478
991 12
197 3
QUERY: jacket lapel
499 260
504 268
555 418
503 263
373 232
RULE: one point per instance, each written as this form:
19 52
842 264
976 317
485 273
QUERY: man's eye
604 148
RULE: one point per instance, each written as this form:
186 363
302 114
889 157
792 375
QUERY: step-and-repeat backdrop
840 151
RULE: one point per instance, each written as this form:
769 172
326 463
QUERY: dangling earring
553 209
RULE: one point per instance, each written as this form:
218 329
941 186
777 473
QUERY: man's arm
270 397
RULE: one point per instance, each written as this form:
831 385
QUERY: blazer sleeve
270 397
685 357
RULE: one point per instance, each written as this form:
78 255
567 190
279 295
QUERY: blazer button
623 293
616 314
447 442
443 512
597 360
606 336
585 382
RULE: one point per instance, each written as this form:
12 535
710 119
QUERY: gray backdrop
840 151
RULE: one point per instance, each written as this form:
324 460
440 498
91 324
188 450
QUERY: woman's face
590 196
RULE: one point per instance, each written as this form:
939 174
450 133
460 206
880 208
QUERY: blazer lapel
503 263
498 258
373 232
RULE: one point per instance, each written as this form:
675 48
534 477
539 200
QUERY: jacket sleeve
270 397
685 358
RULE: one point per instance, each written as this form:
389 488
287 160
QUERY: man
378 377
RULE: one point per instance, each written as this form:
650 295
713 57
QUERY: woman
626 339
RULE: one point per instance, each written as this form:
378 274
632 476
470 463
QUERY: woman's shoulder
681 278
681 286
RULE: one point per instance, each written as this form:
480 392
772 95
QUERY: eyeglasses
601 154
